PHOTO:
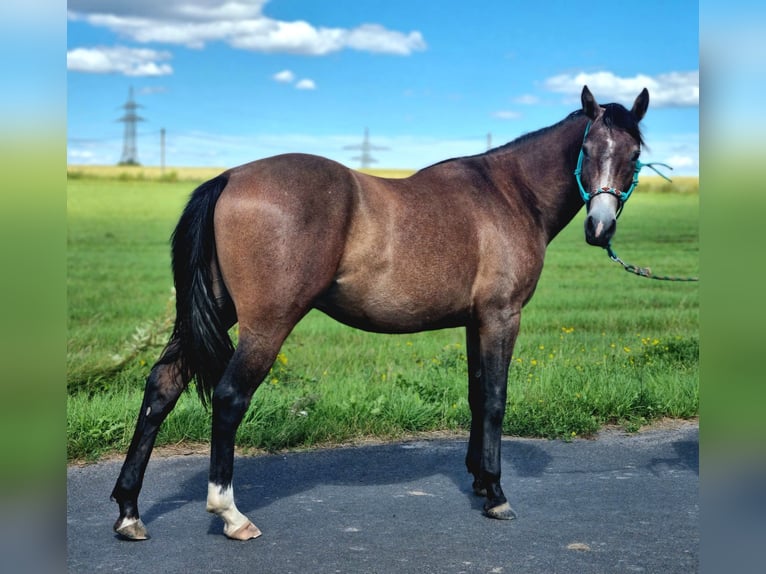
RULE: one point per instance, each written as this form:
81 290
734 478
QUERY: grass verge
597 345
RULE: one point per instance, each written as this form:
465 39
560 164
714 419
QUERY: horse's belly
390 306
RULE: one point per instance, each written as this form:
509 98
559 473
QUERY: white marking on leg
220 501
125 522
131 528
148 411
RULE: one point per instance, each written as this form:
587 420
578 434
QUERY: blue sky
233 81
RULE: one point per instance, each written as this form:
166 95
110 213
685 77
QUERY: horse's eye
634 155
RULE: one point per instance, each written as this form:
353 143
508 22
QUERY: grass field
597 345
173 174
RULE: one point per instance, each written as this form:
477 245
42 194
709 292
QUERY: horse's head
607 168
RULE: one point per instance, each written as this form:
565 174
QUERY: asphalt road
619 503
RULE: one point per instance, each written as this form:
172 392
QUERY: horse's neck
544 165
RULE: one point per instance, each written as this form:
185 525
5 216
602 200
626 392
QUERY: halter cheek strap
622 196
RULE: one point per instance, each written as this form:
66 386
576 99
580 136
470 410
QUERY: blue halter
622 196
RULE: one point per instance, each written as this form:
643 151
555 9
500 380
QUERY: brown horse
460 243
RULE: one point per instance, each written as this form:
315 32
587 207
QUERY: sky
234 81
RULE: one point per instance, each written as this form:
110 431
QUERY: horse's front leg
230 401
490 346
476 402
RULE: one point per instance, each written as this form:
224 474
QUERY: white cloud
306 84
119 60
674 89
265 35
150 90
375 38
195 148
239 23
288 77
284 77
81 155
679 150
524 100
506 115
191 9
212 10
527 100
681 161
407 152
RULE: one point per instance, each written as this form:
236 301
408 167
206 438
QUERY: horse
460 243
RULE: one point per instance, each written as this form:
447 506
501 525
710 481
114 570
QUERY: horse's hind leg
163 387
250 364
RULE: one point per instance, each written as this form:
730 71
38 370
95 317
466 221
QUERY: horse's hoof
131 529
246 532
501 512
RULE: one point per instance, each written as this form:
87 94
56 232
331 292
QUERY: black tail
200 343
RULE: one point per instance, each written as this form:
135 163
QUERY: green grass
597 345
118 267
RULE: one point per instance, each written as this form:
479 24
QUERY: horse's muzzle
599 232
601 221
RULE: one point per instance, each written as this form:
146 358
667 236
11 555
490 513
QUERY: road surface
617 503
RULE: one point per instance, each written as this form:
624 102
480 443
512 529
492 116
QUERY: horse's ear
641 104
589 104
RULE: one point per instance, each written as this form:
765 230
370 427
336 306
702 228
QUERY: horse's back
294 181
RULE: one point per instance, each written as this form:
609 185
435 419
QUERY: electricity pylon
365 159
130 118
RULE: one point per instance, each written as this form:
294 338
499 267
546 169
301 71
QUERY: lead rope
644 271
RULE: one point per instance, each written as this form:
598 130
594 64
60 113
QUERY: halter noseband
622 196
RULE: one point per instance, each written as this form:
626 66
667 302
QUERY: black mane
614 116
535 134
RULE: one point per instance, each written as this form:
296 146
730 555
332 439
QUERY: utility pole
162 151
365 159
489 141
130 118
